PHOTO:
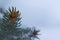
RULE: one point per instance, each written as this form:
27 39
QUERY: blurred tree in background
10 27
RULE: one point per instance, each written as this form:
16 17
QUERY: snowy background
44 14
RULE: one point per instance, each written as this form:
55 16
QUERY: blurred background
43 14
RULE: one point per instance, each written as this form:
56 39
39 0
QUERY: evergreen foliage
9 27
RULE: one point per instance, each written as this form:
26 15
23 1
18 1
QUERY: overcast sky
44 14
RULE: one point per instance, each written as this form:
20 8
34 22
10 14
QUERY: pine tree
10 27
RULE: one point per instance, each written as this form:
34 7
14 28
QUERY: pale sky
44 14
